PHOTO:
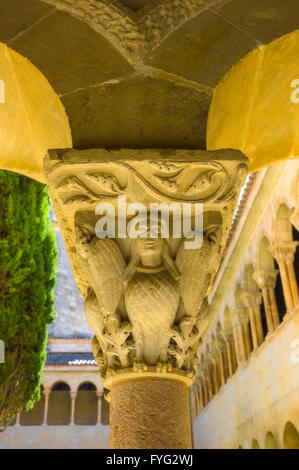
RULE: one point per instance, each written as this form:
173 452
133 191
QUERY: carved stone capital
284 251
252 299
239 316
266 279
145 297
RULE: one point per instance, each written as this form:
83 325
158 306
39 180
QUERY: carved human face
150 250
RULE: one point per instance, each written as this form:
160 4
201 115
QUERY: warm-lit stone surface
252 109
55 437
32 118
150 414
261 397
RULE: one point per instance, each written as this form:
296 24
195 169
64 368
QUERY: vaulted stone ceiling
137 73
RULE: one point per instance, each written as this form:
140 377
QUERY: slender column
192 403
17 423
229 357
208 369
73 400
252 300
197 399
201 398
213 356
284 254
240 316
230 351
266 281
221 346
150 414
100 398
46 393
205 391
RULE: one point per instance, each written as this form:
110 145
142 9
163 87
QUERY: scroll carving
145 298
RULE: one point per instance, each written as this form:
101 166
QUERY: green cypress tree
27 279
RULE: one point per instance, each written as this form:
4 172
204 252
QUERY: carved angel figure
133 308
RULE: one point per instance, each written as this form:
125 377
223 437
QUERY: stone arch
281 225
270 442
249 282
290 436
86 404
265 260
34 120
59 410
248 119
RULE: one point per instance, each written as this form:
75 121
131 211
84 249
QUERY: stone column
201 398
223 362
266 281
239 320
252 300
17 423
73 401
197 398
46 393
284 253
150 414
136 279
213 356
230 351
100 397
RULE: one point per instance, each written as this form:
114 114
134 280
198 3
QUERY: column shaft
150 414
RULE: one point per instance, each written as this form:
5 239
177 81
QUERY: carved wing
106 267
195 275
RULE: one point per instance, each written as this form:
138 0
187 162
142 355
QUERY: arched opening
270 442
59 411
86 405
35 416
290 436
279 295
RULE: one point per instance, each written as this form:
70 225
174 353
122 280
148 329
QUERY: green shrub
27 279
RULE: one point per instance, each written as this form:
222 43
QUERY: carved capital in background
145 298
284 252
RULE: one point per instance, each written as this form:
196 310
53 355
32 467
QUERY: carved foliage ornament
145 298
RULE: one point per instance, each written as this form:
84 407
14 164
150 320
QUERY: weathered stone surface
70 53
202 49
140 111
150 414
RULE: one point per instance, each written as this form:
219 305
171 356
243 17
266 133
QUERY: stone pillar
73 402
213 356
201 397
266 281
100 397
46 393
221 346
197 399
239 320
230 351
136 280
252 300
284 254
150 414
17 423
